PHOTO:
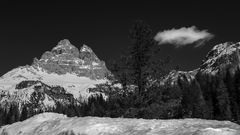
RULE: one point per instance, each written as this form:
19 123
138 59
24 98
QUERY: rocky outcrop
38 96
66 58
220 57
174 77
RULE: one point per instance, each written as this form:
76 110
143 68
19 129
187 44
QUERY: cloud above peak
183 36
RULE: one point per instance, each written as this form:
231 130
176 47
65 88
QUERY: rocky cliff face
66 58
37 96
221 56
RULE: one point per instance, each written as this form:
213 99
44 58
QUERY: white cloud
183 36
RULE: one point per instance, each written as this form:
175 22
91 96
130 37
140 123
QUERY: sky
27 30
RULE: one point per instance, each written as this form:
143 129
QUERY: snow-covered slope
63 66
58 124
71 82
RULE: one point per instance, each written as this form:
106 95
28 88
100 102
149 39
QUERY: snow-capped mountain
64 66
222 57
59 124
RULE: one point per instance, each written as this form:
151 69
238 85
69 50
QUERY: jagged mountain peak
64 42
65 47
85 48
66 58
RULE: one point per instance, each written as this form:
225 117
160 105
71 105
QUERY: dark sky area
29 29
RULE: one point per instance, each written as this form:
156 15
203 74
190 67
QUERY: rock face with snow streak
62 72
58 124
220 56
175 76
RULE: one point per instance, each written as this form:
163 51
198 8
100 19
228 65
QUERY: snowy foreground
58 124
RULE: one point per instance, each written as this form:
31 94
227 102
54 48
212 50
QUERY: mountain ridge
218 58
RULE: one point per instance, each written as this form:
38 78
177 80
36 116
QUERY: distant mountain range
65 74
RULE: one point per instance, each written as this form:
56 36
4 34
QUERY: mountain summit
66 58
